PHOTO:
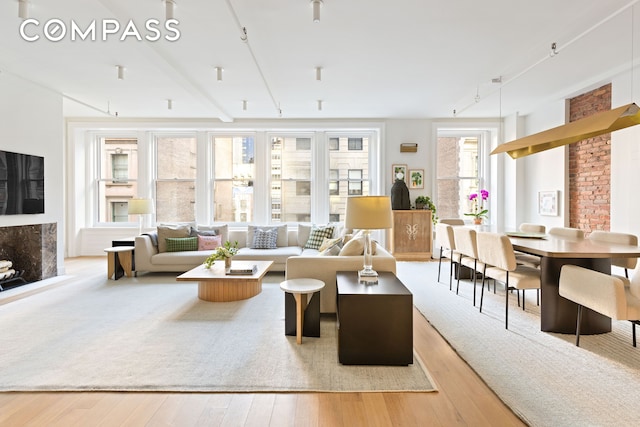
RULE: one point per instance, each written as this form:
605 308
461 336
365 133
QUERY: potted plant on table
224 252
478 211
425 202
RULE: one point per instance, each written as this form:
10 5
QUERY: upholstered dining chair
566 232
452 221
496 252
467 247
527 259
620 238
446 241
603 293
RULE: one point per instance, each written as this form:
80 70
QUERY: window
117 178
459 170
291 187
334 144
355 144
234 173
348 173
176 179
355 182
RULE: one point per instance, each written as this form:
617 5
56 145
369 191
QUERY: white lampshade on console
368 213
140 207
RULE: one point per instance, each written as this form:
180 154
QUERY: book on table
242 269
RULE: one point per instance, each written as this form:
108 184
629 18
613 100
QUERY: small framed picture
416 178
396 169
548 203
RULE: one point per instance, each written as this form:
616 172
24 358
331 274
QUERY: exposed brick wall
590 167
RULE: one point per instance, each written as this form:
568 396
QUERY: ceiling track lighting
120 70
318 73
554 49
219 71
23 9
169 104
244 105
319 105
316 9
169 6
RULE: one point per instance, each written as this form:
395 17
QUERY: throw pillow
331 247
355 246
265 239
317 235
304 230
171 231
179 244
208 243
283 236
221 229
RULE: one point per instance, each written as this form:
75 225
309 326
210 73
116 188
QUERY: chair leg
484 270
439 263
538 297
578 325
633 330
475 277
523 300
506 302
451 274
458 283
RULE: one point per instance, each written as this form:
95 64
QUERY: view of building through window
290 179
118 175
175 192
234 173
457 173
348 173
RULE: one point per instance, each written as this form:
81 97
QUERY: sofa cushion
355 246
303 234
171 231
317 236
264 239
221 229
207 243
178 244
277 255
331 246
282 230
194 258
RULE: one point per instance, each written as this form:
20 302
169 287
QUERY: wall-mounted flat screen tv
21 183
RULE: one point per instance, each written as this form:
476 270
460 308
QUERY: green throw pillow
178 244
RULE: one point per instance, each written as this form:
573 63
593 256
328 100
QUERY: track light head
316 9
120 70
23 9
169 6
219 71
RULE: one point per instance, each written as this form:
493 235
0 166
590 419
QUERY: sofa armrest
144 250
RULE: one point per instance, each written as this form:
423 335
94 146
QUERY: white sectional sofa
289 256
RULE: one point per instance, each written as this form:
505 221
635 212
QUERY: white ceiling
380 59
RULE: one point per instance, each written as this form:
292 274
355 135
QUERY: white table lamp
368 213
140 207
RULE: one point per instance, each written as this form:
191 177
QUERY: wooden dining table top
562 247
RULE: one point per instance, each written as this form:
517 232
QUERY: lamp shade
368 212
140 206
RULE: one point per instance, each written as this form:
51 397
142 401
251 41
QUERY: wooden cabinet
410 238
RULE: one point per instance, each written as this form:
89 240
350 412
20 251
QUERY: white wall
31 122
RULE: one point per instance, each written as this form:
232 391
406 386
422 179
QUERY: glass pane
176 158
291 188
118 177
175 201
350 161
234 172
457 172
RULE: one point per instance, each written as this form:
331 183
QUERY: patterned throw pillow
331 246
178 244
171 231
317 236
207 243
265 239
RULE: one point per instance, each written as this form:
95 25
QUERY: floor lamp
140 207
368 213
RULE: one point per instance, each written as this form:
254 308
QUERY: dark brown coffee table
375 321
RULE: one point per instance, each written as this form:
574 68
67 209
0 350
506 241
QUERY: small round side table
301 289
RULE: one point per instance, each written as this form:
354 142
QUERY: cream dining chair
566 232
620 238
527 259
603 293
496 252
446 241
467 247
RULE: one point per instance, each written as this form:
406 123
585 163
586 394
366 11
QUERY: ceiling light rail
556 50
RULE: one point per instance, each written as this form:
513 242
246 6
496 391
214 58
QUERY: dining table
558 314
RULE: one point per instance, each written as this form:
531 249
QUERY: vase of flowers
478 211
224 252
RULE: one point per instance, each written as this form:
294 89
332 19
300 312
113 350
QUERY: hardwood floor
462 398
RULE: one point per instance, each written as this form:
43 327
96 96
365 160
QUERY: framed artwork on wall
396 169
548 203
416 178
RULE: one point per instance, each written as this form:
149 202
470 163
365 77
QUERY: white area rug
153 333
543 377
